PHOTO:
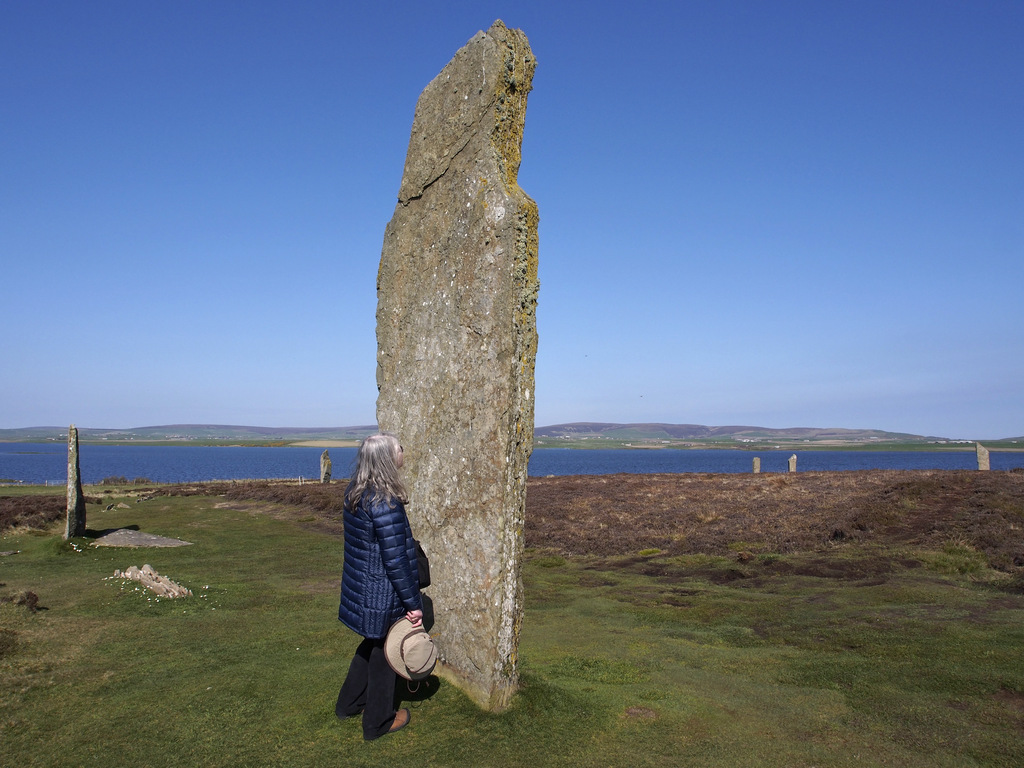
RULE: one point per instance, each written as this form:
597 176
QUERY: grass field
860 652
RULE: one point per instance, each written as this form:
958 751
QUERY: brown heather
743 516
719 514
31 511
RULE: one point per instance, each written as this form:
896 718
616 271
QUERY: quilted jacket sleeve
392 530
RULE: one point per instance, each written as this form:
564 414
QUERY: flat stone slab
125 537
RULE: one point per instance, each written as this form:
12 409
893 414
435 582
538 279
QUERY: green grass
651 661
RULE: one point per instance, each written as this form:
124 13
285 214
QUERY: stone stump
325 467
153 581
456 345
75 525
792 463
983 460
757 465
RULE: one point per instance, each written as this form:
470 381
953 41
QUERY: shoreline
581 444
325 444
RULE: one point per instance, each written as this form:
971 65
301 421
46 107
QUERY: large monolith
456 344
75 525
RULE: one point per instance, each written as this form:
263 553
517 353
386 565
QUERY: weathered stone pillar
75 525
456 344
325 467
792 463
983 461
757 465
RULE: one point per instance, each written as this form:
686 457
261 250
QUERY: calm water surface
39 463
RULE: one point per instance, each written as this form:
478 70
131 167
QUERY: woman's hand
416 617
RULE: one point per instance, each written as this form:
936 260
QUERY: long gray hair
376 472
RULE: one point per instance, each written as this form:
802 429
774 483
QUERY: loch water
46 463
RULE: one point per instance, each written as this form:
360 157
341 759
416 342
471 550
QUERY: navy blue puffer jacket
379 581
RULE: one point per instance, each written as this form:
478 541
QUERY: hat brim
393 649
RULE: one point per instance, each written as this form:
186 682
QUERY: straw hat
409 650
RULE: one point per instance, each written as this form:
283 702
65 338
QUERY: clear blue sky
770 213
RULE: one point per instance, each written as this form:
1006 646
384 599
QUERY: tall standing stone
76 498
757 465
325 467
456 344
792 463
983 460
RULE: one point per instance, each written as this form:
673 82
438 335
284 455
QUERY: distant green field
562 436
886 657
763 445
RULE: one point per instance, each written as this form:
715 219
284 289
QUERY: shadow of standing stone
456 345
75 525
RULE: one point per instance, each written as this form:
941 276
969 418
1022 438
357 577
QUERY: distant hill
189 432
577 431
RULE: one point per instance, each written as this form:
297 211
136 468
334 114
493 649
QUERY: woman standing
379 583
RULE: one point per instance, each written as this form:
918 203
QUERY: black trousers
369 688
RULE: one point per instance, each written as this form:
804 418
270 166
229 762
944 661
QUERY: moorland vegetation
827 619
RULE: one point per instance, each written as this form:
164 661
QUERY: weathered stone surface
456 344
983 460
792 463
126 537
757 465
75 525
153 581
325 467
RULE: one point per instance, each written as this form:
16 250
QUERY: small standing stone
325 467
76 498
757 465
792 463
983 462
